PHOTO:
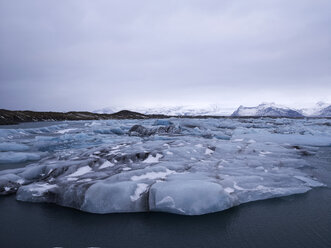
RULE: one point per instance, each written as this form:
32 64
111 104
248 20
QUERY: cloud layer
84 55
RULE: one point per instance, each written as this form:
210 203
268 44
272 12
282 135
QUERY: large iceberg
181 166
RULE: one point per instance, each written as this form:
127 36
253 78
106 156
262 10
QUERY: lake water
294 221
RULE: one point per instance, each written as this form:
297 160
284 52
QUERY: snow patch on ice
40 188
81 171
63 131
141 188
151 159
106 165
153 175
209 151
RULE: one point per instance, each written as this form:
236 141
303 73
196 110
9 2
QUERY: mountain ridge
9 117
267 109
263 109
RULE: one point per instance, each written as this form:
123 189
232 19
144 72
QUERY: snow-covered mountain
320 109
175 110
105 111
267 109
187 110
325 112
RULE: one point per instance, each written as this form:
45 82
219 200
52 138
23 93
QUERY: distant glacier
320 109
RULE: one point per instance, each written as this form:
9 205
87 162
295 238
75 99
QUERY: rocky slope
8 117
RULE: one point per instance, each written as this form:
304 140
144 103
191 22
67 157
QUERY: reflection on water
294 221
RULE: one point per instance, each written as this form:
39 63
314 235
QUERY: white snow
41 188
315 110
141 188
106 165
151 159
81 171
72 179
229 190
63 131
209 151
153 175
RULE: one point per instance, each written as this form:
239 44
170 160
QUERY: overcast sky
86 55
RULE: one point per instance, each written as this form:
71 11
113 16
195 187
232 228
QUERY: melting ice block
109 197
189 197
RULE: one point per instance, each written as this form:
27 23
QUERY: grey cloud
84 55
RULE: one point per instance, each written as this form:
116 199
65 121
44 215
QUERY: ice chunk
41 188
309 182
208 164
7 146
35 192
9 183
107 197
189 197
17 157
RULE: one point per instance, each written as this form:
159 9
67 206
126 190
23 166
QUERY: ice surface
153 175
6 146
106 165
104 197
67 130
190 197
17 157
182 166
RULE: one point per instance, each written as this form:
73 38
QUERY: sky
86 55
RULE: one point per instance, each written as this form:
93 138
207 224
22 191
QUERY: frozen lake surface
182 166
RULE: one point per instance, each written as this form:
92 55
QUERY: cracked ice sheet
99 170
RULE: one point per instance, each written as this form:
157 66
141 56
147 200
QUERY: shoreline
14 117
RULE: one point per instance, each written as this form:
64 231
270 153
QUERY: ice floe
182 166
